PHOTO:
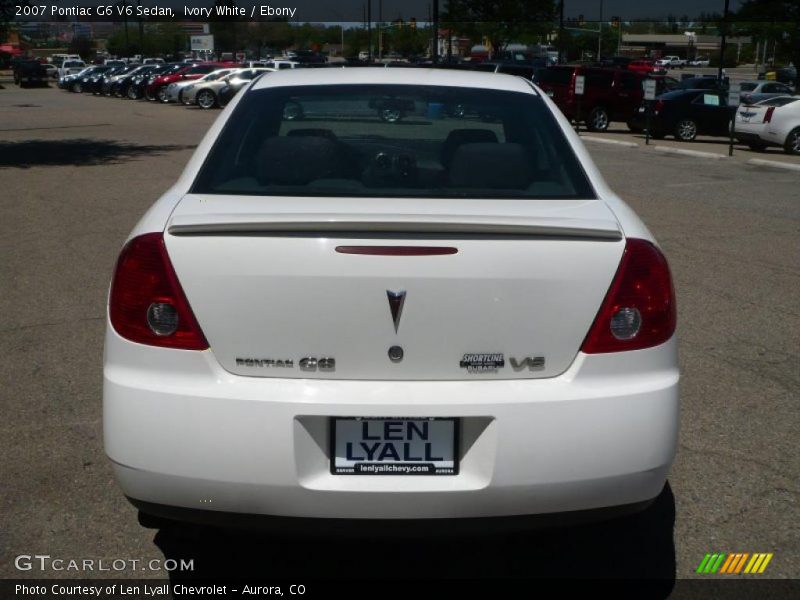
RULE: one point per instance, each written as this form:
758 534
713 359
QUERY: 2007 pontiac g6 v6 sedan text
390 294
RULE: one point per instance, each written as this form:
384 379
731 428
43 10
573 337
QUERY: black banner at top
421 11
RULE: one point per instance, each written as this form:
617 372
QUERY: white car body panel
784 120
595 431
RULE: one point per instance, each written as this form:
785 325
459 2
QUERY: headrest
491 166
457 137
297 159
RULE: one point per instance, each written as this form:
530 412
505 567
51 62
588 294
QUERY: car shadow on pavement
77 152
638 546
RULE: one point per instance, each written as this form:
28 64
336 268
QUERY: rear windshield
401 141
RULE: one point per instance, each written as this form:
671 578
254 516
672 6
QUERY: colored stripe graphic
764 564
727 564
734 564
703 563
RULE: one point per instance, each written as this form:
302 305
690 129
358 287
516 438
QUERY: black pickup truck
27 72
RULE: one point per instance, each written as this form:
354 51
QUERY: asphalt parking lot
77 172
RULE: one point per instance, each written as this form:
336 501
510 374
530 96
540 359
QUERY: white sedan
175 90
447 316
772 122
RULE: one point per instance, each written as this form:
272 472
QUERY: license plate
390 446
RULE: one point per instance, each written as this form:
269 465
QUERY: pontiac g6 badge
396 301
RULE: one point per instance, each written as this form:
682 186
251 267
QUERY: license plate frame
399 467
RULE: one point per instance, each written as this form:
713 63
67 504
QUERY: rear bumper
181 432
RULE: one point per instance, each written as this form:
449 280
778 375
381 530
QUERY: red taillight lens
639 308
147 304
768 114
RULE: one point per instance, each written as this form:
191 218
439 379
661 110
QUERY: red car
645 66
609 94
157 89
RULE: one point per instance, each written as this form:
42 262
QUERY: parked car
233 83
771 122
279 64
207 94
687 114
140 85
609 94
645 66
752 92
71 67
175 90
81 82
120 86
27 72
672 62
709 82
700 61
497 331
158 88
109 81
52 71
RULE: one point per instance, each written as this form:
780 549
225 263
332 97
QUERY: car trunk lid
290 288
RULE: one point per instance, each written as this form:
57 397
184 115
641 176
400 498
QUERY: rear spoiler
324 223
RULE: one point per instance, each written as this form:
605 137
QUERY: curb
694 153
607 141
760 162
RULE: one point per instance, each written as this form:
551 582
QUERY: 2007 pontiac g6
390 294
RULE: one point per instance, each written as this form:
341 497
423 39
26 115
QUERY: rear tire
634 128
598 119
792 144
162 95
685 130
77 87
206 99
132 93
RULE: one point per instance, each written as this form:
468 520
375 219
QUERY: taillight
147 304
768 114
659 105
639 308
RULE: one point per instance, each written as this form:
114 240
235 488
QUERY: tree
773 21
7 12
82 46
500 21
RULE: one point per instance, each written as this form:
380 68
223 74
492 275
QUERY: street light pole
600 32
435 39
723 41
561 32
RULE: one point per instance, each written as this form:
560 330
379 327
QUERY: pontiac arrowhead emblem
396 301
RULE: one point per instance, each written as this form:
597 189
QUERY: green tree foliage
501 21
775 22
